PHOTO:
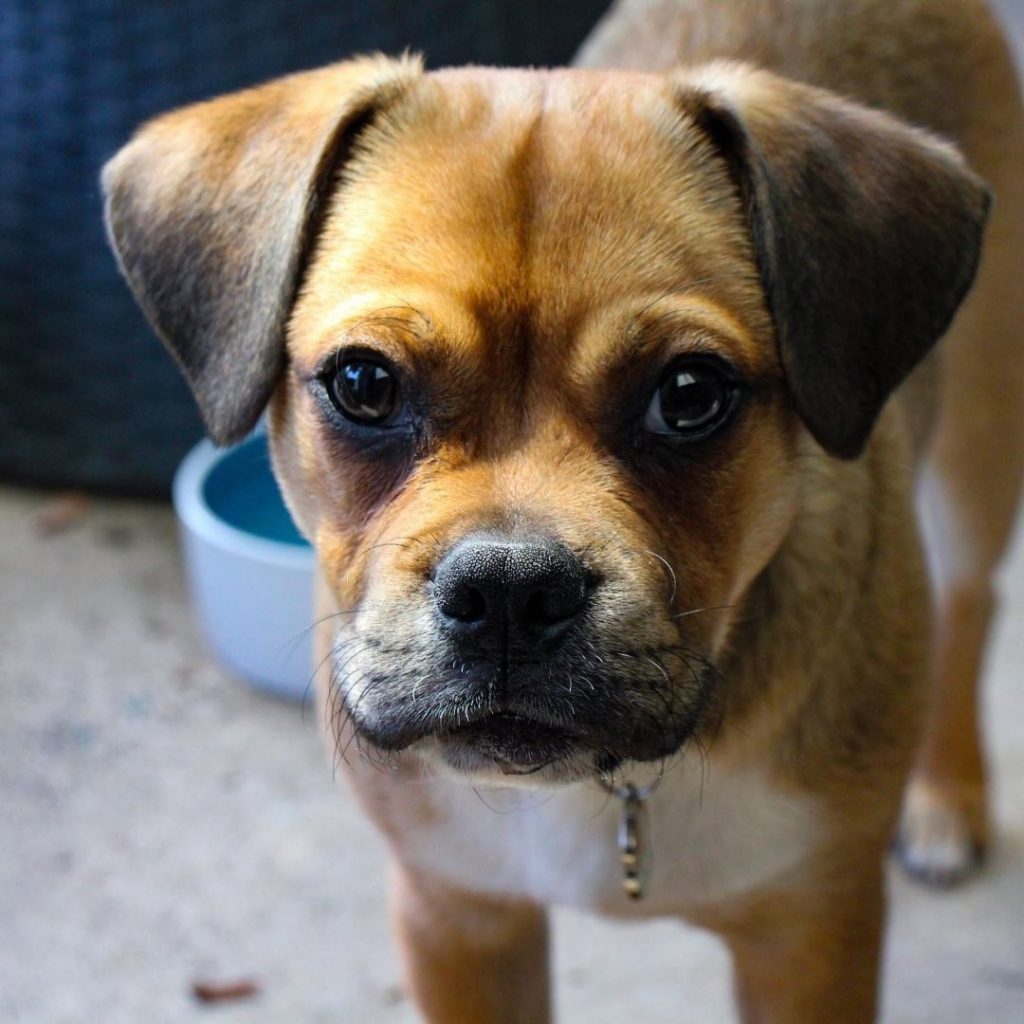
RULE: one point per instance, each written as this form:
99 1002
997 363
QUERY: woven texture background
88 397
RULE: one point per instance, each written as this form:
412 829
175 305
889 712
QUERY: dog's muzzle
501 600
515 676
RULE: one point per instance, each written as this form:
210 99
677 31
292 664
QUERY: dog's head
542 351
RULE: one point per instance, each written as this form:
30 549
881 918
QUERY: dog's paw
943 833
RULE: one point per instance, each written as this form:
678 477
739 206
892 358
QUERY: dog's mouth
632 713
514 744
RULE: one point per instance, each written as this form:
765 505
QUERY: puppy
606 397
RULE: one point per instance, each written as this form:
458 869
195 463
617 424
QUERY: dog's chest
708 838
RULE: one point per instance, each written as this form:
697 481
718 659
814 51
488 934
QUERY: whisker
699 611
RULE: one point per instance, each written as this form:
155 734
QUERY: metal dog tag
633 841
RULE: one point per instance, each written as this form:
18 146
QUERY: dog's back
941 64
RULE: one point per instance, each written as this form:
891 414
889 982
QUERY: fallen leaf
224 991
61 512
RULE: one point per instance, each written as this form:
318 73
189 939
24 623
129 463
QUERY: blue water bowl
249 570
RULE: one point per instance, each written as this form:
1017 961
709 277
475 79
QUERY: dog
610 400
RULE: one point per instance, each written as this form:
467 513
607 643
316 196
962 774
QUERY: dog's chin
497 749
511 751
506 748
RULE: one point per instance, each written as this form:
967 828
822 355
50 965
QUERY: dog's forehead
554 192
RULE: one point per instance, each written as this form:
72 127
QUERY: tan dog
579 382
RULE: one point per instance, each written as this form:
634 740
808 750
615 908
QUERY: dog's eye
694 398
365 392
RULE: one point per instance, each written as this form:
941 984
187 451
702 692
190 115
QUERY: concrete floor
161 823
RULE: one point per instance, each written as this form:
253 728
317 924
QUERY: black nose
498 592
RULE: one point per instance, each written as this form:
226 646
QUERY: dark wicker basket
87 395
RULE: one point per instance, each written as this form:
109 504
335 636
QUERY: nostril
465 604
537 609
548 607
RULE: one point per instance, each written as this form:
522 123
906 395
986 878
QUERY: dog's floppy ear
212 210
867 234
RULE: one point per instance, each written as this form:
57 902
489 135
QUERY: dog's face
537 491
554 358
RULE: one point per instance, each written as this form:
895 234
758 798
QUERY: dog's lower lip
517 745
506 723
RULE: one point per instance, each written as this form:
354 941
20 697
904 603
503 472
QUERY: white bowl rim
194 512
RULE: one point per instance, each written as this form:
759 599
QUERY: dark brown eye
365 392
694 398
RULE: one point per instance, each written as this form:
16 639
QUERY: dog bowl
249 570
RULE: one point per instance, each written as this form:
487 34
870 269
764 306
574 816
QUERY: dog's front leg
811 957
471 959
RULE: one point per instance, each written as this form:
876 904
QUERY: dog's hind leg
968 498
471 959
